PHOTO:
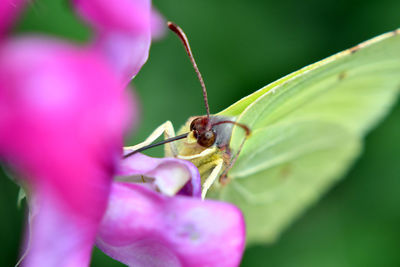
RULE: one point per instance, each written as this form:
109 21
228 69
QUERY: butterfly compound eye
193 124
206 139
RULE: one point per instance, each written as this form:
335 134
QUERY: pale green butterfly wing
306 131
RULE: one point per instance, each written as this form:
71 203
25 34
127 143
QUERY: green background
240 46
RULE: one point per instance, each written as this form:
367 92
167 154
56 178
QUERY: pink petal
170 175
158 25
9 10
62 115
122 15
126 53
55 237
123 30
144 228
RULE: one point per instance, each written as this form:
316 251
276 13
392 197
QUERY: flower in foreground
63 112
152 221
62 132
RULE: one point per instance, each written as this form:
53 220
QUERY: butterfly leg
168 130
205 153
209 181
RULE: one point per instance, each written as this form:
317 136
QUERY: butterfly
275 152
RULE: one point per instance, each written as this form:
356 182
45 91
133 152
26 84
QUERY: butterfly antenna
176 29
244 127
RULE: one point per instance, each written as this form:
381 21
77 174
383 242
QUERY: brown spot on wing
355 48
224 180
397 31
342 75
285 171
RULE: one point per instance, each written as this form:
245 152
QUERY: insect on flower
207 142
307 129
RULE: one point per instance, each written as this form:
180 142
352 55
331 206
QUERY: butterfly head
203 131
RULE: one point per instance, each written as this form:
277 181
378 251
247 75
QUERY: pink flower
147 225
63 111
123 31
62 132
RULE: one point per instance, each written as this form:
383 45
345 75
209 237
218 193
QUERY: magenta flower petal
122 15
62 116
168 175
144 228
55 237
123 30
158 25
9 10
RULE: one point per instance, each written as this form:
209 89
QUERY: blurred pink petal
122 15
158 25
62 116
123 30
144 228
9 10
55 236
166 175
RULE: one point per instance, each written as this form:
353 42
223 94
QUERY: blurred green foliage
240 46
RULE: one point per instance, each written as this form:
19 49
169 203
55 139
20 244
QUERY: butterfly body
211 160
307 130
